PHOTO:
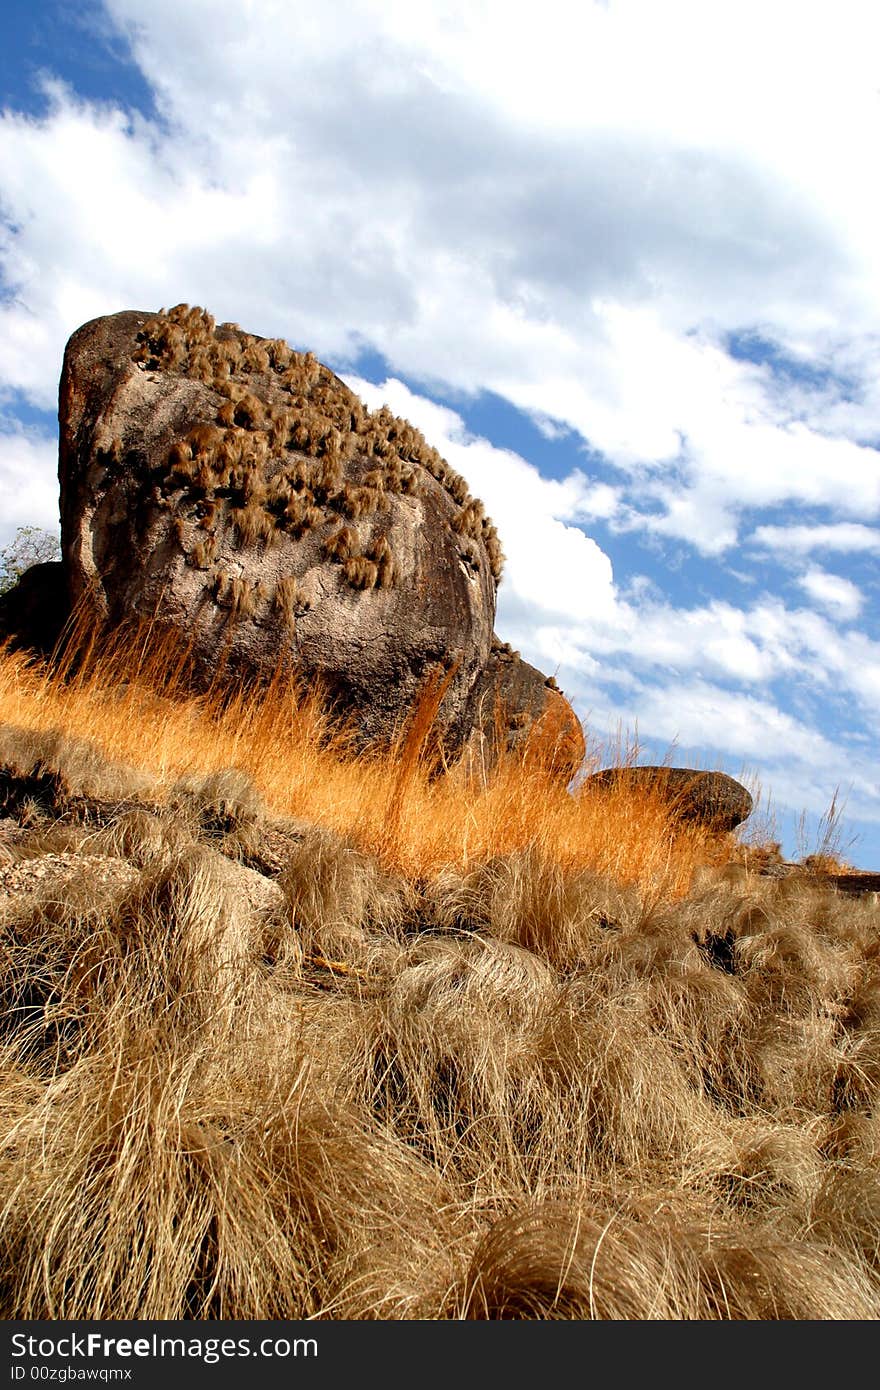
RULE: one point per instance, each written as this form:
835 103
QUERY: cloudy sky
619 261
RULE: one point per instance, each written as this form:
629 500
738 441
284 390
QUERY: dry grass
457 1050
313 427
130 697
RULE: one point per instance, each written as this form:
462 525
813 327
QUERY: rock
226 488
103 877
241 494
34 611
515 707
263 898
712 798
858 884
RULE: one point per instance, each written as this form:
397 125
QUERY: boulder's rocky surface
712 798
230 489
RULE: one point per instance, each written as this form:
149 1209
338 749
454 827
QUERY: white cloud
699 714
374 174
843 536
836 595
553 569
28 481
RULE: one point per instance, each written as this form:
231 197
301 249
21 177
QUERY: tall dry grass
458 1050
132 695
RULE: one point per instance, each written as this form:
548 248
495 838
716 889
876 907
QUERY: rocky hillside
288 1033
250 1071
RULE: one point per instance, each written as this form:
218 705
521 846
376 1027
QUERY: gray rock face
712 798
225 487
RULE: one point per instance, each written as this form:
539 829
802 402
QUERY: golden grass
130 697
461 1049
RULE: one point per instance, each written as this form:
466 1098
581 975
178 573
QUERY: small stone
711 798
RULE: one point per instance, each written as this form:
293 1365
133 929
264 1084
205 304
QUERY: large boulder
227 488
710 798
240 493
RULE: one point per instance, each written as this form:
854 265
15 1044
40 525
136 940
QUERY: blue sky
618 261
